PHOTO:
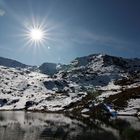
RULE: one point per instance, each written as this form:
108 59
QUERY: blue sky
74 28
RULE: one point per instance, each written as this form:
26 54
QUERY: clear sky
73 28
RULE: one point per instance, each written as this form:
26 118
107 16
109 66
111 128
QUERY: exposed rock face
48 68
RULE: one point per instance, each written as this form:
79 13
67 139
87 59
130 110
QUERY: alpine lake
21 125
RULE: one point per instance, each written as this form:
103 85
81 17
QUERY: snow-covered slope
111 76
99 70
73 87
23 89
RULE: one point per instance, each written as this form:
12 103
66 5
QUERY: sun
36 34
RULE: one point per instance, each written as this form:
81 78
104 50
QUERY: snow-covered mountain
99 70
11 63
45 68
78 87
23 89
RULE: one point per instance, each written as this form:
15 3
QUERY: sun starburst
35 34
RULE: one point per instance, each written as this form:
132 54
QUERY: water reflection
44 126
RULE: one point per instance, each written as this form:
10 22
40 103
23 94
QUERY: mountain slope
23 89
99 70
106 79
11 63
48 68
79 86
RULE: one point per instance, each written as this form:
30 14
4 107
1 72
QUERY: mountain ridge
11 63
84 83
82 57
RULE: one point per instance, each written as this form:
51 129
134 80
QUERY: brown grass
120 99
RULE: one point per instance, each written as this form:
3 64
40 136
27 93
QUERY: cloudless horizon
72 28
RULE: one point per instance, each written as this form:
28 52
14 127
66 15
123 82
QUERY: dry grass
120 99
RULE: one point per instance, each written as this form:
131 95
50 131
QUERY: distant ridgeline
94 63
11 63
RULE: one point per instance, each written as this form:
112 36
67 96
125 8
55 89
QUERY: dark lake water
46 126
